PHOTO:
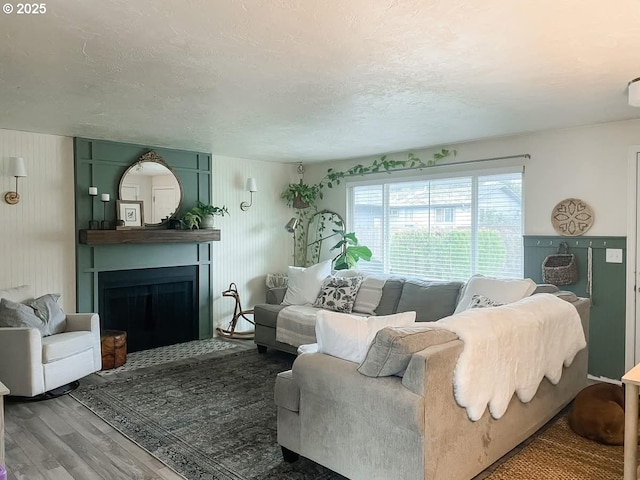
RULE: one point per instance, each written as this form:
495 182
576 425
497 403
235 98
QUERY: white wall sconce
16 169
251 187
634 92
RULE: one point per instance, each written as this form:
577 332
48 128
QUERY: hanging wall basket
560 268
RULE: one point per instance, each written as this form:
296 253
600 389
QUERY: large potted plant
350 251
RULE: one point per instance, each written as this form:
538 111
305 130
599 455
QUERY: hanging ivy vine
309 193
383 164
303 197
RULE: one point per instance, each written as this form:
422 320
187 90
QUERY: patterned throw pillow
480 301
338 293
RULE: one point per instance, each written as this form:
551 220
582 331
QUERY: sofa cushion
63 345
348 336
338 293
392 348
304 283
498 290
390 296
431 300
267 314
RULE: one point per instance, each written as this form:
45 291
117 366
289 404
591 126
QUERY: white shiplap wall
37 236
254 242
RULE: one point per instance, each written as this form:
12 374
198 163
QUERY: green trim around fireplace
101 163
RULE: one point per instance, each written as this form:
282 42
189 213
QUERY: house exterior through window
441 228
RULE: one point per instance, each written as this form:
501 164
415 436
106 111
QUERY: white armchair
31 364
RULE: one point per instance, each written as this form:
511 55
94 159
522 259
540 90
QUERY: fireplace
155 306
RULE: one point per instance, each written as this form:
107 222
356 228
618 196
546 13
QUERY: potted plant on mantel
203 215
190 221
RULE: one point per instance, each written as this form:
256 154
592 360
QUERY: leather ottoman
113 344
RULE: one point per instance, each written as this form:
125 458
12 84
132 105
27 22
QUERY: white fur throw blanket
510 349
296 325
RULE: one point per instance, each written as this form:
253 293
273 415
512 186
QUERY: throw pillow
47 309
369 294
13 314
304 283
499 290
480 301
348 336
338 293
392 348
43 313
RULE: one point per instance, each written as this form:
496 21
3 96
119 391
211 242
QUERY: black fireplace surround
155 306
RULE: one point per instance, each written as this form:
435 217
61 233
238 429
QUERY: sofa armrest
336 383
21 359
22 341
275 295
83 321
89 322
432 368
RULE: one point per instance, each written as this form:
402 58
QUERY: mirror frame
152 156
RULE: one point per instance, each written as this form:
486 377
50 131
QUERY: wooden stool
113 344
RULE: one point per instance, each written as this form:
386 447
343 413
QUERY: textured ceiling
305 80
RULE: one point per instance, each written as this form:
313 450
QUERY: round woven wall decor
572 217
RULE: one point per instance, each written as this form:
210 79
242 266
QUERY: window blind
442 229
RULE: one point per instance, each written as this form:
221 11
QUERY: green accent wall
607 324
101 163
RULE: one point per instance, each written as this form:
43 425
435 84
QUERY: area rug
556 453
170 353
215 419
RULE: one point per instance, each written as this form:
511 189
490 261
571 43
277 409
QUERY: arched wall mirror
152 181
321 236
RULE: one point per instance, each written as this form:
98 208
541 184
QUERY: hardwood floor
60 439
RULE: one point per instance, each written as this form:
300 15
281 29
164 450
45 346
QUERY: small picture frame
131 213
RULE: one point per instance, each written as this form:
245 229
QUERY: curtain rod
466 162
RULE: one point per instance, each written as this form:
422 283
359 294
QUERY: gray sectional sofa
430 300
407 425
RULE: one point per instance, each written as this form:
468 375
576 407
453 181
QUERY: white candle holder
104 198
93 224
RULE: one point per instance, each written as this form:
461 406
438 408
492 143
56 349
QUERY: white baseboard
604 379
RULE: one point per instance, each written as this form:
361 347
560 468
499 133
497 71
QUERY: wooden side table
631 379
3 391
113 344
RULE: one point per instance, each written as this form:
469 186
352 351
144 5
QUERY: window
442 229
444 215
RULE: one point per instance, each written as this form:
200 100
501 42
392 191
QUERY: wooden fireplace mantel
147 235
